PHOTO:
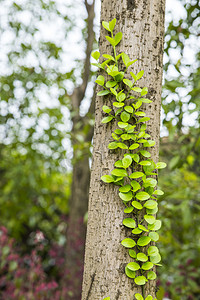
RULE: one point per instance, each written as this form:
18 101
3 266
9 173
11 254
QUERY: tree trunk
142 25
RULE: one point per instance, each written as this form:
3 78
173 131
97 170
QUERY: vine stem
114 51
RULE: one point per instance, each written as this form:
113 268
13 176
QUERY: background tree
180 205
43 87
105 258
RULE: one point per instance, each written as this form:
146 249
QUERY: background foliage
36 81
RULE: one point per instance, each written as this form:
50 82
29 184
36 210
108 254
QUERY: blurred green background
46 125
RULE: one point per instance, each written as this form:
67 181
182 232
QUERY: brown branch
91 112
79 92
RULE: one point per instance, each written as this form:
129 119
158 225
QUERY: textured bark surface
142 25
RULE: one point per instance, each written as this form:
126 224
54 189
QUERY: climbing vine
136 172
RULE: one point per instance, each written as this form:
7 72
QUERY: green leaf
126 136
140 280
119 173
118 131
125 116
103 93
106 109
113 91
135 185
100 80
133 266
118 164
139 113
109 57
130 223
118 38
149 219
107 119
149 297
136 89
149 169
107 178
129 273
122 146
145 163
118 56
137 105
151 204
155 226
154 236
151 275
141 141
131 62
128 210
145 119
147 266
145 153
110 40
125 189
152 211
112 70
127 161
143 128
138 297
113 145
141 134
128 243
122 124
134 146
135 175
128 82
126 196
142 196
143 241
139 75
153 251
106 25
158 192
132 253
137 205
119 77
161 165
155 259
110 84
145 100
121 97
136 231
117 104
129 109
136 158
150 182
142 257
125 59
133 75
95 55
112 24
144 91
115 136
143 228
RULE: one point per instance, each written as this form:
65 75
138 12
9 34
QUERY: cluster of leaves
43 193
37 275
22 276
135 173
179 278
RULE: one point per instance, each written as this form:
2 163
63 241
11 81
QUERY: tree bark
142 25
